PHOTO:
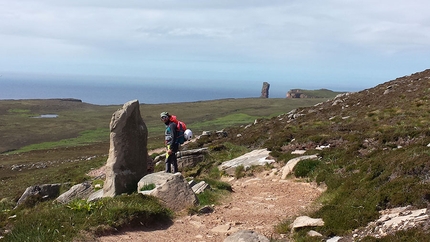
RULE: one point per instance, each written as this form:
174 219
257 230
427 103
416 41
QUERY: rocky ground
258 203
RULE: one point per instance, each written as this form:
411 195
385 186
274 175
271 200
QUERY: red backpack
180 129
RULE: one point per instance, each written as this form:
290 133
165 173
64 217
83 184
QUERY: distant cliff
321 93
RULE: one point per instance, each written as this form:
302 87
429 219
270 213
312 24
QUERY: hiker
170 140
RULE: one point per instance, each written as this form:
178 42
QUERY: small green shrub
215 173
283 227
217 184
239 172
83 205
305 167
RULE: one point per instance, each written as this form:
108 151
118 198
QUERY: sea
118 93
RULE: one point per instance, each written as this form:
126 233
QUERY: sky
342 45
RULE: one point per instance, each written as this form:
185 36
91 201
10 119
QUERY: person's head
164 116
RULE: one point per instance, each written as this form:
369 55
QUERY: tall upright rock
127 162
265 90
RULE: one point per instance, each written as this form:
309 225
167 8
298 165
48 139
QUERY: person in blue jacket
172 145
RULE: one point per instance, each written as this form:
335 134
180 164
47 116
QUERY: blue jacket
170 136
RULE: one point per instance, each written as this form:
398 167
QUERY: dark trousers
172 160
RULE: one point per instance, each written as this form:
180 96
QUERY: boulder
127 162
79 191
172 189
44 192
253 158
246 236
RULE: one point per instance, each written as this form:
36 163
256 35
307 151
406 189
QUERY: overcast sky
343 45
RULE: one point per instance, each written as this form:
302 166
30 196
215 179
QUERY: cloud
242 39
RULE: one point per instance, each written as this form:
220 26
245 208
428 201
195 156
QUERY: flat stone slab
305 221
253 158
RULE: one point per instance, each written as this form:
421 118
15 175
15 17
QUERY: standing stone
265 90
127 162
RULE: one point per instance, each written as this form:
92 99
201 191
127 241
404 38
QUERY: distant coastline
114 94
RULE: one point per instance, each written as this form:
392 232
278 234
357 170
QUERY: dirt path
258 203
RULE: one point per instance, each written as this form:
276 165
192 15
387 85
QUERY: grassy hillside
378 155
82 123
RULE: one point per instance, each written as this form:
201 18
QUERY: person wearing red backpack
170 140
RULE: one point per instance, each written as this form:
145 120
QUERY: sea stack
265 90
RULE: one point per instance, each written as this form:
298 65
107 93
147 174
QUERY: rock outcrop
43 192
265 90
394 220
296 93
190 158
127 162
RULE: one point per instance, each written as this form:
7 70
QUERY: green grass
226 121
84 138
56 222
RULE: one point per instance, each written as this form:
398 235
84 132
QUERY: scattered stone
206 133
313 233
225 228
206 209
298 152
334 239
200 187
246 236
305 221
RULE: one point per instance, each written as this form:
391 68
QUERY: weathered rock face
253 158
127 162
265 90
172 189
45 192
246 235
190 158
81 191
